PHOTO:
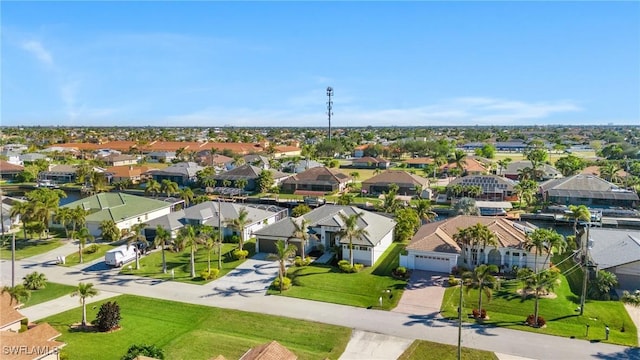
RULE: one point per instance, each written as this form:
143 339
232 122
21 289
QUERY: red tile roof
269 351
9 167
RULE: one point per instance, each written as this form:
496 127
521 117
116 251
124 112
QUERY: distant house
257 161
59 174
269 351
182 173
324 224
9 171
587 190
32 157
286 151
249 173
470 167
316 181
369 162
218 161
617 251
419 163
493 187
511 146
300 166
208 213
135 174
9 222
358 151
433 247
409 184
123 209
161 156
119 160
515 168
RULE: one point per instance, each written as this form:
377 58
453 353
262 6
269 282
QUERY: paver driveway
423 294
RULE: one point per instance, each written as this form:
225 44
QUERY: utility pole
219 234
460 323
329 108
13 260
585 268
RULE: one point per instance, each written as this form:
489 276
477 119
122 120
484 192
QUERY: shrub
401 270
479 314
240 254
232 239
300 262
108 317
459 270
35 281
136 350
531 322
346 267
90 249
453 281
208 275
286 283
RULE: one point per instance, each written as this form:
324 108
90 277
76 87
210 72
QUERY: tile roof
514 167
421 160
117 206
269 351
319 175
6 166
398 177
370 159
8 312
438 236
38 338
589 186
127 171
471 165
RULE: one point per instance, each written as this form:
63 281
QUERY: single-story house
270 350
208 213
587 190
9 222
409 184
161 156
122 173
299 166
316 181
514 169
33 157
124 209
9 315
119 159
419 163
433 247
182 173
9 171
617 251
493 187
59 174
324 224
286 150
218 161
257 161
369 162
470 167
249 173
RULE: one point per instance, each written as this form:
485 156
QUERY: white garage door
432 263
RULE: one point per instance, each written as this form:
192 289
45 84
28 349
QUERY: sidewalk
61 304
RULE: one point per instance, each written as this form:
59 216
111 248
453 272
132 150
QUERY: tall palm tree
84 291
138 237
109 230
483 238
64 216
466 206
187 238
425 211
241 184
82 235
539 283
283 252
187 195
21 209
351 231
18 293
459 158
163 236
480 278
239 224
502 164
210 243
609 171
78 217
153 187
577 213
169 187
544 240
300 231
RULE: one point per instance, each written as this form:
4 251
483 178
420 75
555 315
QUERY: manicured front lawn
151 265
28 248
74 259
363 289
50 292
508 309
421 349
186 331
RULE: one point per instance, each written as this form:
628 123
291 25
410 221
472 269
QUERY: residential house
119 160
587 190
510 146
616 251
218 161
409 184
10 317
316 181
493 187
286 151
182 173
12 157
249 173
33 157
9 171
358 151
369 162
9 222
299 166
324 224
257 161
269 351
59 174
15 148
470 167
515 168
161 156
433 247
208 213
123 209
135 174
419 163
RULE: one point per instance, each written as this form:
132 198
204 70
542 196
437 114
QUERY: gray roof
247 171
514 167
188 169
328 215
586 186
614 247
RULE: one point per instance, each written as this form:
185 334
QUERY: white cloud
37 49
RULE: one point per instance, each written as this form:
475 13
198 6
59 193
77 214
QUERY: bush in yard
208 275
300 262
479 314
531 321
459 270
286 283
346 267
136 350
108 317
240 254
24 325
453 281
91 249
233 239
35 281
400 272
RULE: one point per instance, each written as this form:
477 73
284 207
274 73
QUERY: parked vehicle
120 255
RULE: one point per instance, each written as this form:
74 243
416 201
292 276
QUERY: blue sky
268 64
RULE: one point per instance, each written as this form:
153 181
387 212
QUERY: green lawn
508 309
151 265
421 349
186 331
52 291
28 248
363 289
74 259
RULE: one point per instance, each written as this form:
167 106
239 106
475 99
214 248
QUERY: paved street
418 326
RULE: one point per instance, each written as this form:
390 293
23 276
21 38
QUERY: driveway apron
423 294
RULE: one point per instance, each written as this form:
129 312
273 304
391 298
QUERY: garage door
267 246
432 263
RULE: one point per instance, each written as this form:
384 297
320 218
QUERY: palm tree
502 164
483 238
78 217
187 195
187 238
21 209
459 159
345 199
351 231
138 237
480 278
601 287
577 213
226 183
539 283
162 238
609 172
169 187
241 184
355 175
109 230
210 242
153 187
239 225
283 252
466 206
64 216
544 240
82 235
35 281
18 293
425 211
84 291
300 231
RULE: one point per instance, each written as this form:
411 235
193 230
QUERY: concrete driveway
423 294
251 278
365 345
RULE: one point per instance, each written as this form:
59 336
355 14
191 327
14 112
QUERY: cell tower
329 108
